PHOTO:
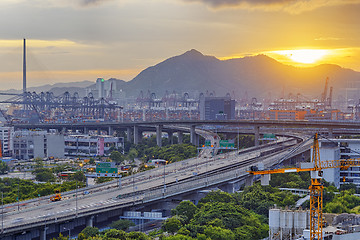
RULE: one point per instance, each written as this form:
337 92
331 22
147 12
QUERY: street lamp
66 230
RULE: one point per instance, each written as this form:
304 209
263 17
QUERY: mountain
257 75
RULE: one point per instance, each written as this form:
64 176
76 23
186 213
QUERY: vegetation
122 224
4 168
10 187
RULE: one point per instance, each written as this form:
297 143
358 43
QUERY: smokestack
24 67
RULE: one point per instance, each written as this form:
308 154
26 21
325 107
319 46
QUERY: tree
114 233
185 209
90 231
133 153
217 233
122 224
44 175
137 236
117 157
78 176
172 225
4 168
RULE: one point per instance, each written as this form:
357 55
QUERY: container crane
316 188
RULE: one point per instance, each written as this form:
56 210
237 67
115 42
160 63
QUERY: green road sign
226 144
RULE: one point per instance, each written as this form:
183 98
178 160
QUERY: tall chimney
24 67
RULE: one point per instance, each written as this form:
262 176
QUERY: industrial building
217 108
33 144
87 145
335 149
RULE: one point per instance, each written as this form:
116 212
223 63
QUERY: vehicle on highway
56 197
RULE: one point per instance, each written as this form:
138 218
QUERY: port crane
316 188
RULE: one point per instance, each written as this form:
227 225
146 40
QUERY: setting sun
306 56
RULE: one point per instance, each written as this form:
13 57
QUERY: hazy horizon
71 41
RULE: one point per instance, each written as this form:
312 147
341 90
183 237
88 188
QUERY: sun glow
306 56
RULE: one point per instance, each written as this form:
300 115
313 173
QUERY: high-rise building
217 108
6 137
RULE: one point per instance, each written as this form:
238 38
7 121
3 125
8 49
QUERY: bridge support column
43 233
330 132
98 131
180 137
136 135
86 130
90 221
158 135
170 136
192 135
249 181
128 134
257 135
110 131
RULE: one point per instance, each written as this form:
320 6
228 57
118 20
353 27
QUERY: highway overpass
134 129
41 219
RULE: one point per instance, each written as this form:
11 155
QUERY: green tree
78 176
137 236
185 209
133 153
172 225
122 224
44 175
115 234
4 168
117 157
90 231
217 233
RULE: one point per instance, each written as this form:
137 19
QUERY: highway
149 185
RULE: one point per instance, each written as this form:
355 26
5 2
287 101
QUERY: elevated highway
39 218
134 129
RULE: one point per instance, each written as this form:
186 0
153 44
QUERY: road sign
226 144
106 168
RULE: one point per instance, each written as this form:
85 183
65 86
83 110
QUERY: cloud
92 2
292 6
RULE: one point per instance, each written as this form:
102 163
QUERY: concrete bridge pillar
158 135
170 135
192 135
110 131
180 137
249 181
86 130
90 221
43 233
128 134
257 135
136 135
330 132
98 130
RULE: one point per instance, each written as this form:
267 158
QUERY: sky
77 40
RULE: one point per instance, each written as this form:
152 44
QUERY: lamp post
66 230
2 212
164 179
76 203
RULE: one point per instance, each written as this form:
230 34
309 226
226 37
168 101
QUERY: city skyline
85 39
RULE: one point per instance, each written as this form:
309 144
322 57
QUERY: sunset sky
76 40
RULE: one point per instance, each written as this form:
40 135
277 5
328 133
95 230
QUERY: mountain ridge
256 76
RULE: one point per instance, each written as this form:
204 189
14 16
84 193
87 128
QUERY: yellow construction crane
316 187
